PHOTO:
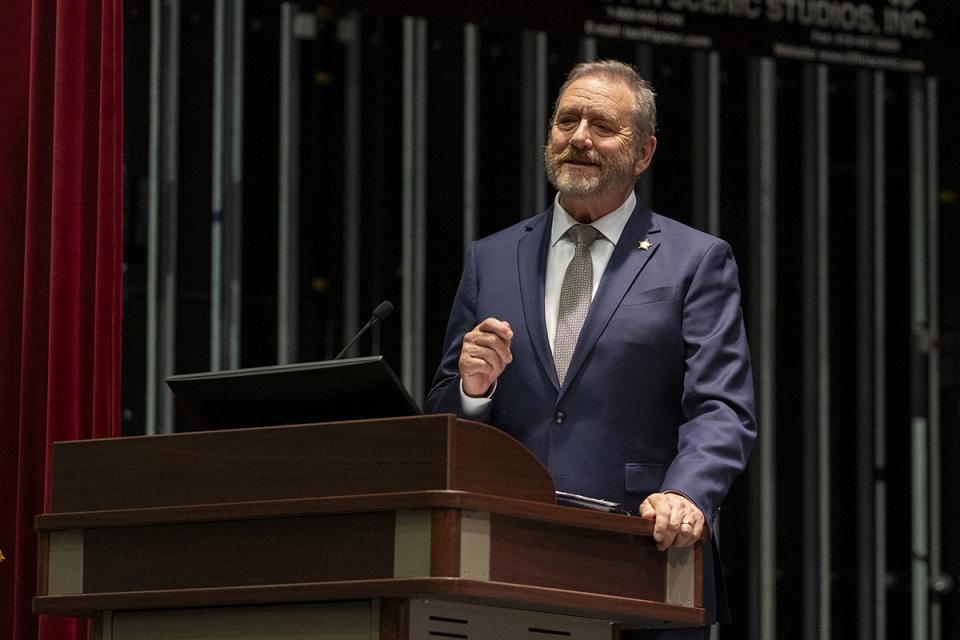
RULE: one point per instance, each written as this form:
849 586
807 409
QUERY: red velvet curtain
61 215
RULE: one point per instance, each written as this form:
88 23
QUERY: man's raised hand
484 355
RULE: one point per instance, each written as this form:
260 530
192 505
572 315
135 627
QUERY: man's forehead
596 93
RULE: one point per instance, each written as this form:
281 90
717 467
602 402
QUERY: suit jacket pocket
648 296
643 478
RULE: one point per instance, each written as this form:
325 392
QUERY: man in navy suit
616 354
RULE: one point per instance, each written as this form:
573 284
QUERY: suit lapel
625 264
531 265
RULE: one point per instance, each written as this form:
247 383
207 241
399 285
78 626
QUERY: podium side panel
330 621
577 559
246 552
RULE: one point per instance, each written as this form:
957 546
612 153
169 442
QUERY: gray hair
644 103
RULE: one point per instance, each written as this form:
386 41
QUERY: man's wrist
474 407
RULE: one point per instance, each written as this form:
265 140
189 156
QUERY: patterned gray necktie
575 296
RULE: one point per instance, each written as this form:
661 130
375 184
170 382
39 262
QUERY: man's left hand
678 522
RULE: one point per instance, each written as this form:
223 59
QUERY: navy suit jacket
659 392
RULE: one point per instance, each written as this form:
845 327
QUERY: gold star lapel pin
644 245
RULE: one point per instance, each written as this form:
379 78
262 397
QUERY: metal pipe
471 108
644 63
350 36
865 362
816 355
216 187
823 346
288 186
762 298
233 266
698 138
763 189
705 141
939 582
533 191
879 352
713 144
541 119
169 210
153 220
919 540
414 201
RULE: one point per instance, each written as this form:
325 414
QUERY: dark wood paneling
350 504
250 464
445 543
534 553
252 552
630 612
284 463
394 619
490 461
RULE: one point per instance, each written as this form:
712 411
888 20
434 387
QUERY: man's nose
581 136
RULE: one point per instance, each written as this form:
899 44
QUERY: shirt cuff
475 407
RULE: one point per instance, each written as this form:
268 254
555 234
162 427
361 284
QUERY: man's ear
645 156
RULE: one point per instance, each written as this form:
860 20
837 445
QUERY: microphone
381 312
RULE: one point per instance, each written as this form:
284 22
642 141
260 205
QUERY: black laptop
348 389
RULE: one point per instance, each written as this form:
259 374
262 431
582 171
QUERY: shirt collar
611 225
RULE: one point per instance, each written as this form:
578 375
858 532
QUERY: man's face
592 146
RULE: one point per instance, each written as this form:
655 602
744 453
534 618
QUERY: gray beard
565 179
574 182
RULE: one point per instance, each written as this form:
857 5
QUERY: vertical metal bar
534 83
705 148
644 63
879 352
289 181
816 360
713 143
541 118
233 265
407 199
919 541
153 219
823 345
865 363
763 261
933 362
420 216
698 137
588 48
527 88
414 200
226 185
216 187
350 36
169 209
471 107
811 463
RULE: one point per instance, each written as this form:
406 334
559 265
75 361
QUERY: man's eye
603 127
566 123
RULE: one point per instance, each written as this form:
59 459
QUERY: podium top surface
421 453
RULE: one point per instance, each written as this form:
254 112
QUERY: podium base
375 619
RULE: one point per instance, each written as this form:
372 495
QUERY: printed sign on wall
885 34
898 35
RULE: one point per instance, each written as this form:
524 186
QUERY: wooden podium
424 527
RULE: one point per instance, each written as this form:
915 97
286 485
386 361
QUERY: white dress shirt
559 256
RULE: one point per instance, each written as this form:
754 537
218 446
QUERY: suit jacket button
559 416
